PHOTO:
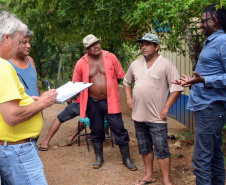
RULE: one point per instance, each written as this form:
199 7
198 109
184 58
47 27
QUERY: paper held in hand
70 89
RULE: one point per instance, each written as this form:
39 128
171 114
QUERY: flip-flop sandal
42 149
146 182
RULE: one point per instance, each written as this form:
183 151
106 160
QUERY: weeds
224 133
179 155
187 135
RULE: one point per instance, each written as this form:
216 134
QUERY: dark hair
28 33
155 44
219 13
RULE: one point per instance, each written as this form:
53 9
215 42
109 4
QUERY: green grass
180 155
187 135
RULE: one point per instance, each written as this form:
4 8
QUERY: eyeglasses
202 21
24 83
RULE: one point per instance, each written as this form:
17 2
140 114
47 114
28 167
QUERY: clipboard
70 89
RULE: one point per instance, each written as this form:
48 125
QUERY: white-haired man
20 115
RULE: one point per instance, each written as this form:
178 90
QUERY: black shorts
70 112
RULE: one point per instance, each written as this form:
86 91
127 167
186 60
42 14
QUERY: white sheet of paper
70 89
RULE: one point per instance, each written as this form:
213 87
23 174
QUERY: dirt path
72 165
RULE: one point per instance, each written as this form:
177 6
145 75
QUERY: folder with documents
70 89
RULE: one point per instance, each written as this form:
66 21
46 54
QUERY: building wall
184 66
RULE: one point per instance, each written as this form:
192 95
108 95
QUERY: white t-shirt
152 87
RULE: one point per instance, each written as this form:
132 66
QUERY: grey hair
10 25
28 33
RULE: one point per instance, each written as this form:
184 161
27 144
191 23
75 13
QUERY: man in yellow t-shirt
20 117
15 91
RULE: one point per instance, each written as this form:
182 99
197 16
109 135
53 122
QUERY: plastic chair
86 134
86 123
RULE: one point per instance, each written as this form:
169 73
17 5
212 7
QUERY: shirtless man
103 69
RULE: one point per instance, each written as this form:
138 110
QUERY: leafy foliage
181 15
224 133
60 26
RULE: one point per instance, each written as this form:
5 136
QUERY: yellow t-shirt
12 89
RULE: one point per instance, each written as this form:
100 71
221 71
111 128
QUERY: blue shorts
149 134
70 112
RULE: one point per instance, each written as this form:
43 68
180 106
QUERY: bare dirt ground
72 165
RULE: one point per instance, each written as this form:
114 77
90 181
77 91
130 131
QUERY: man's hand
69 101
35 98
197 78
163 113
47 98
130 103
182 81
188 82
129 97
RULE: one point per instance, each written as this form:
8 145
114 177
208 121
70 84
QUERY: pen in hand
47 82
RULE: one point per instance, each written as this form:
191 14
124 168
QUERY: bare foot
168 183
65 142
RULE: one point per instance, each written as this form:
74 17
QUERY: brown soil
72 165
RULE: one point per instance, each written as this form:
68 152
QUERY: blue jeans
21 165
208 158
3 182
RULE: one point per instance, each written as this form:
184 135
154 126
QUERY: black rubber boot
98 149
124 149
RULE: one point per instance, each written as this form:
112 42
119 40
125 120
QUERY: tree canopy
60 26
174 21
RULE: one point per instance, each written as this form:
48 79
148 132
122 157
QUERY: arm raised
14 114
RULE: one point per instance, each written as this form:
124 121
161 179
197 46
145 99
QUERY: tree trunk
60 64
194 45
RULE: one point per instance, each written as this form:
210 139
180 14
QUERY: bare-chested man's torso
97 76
